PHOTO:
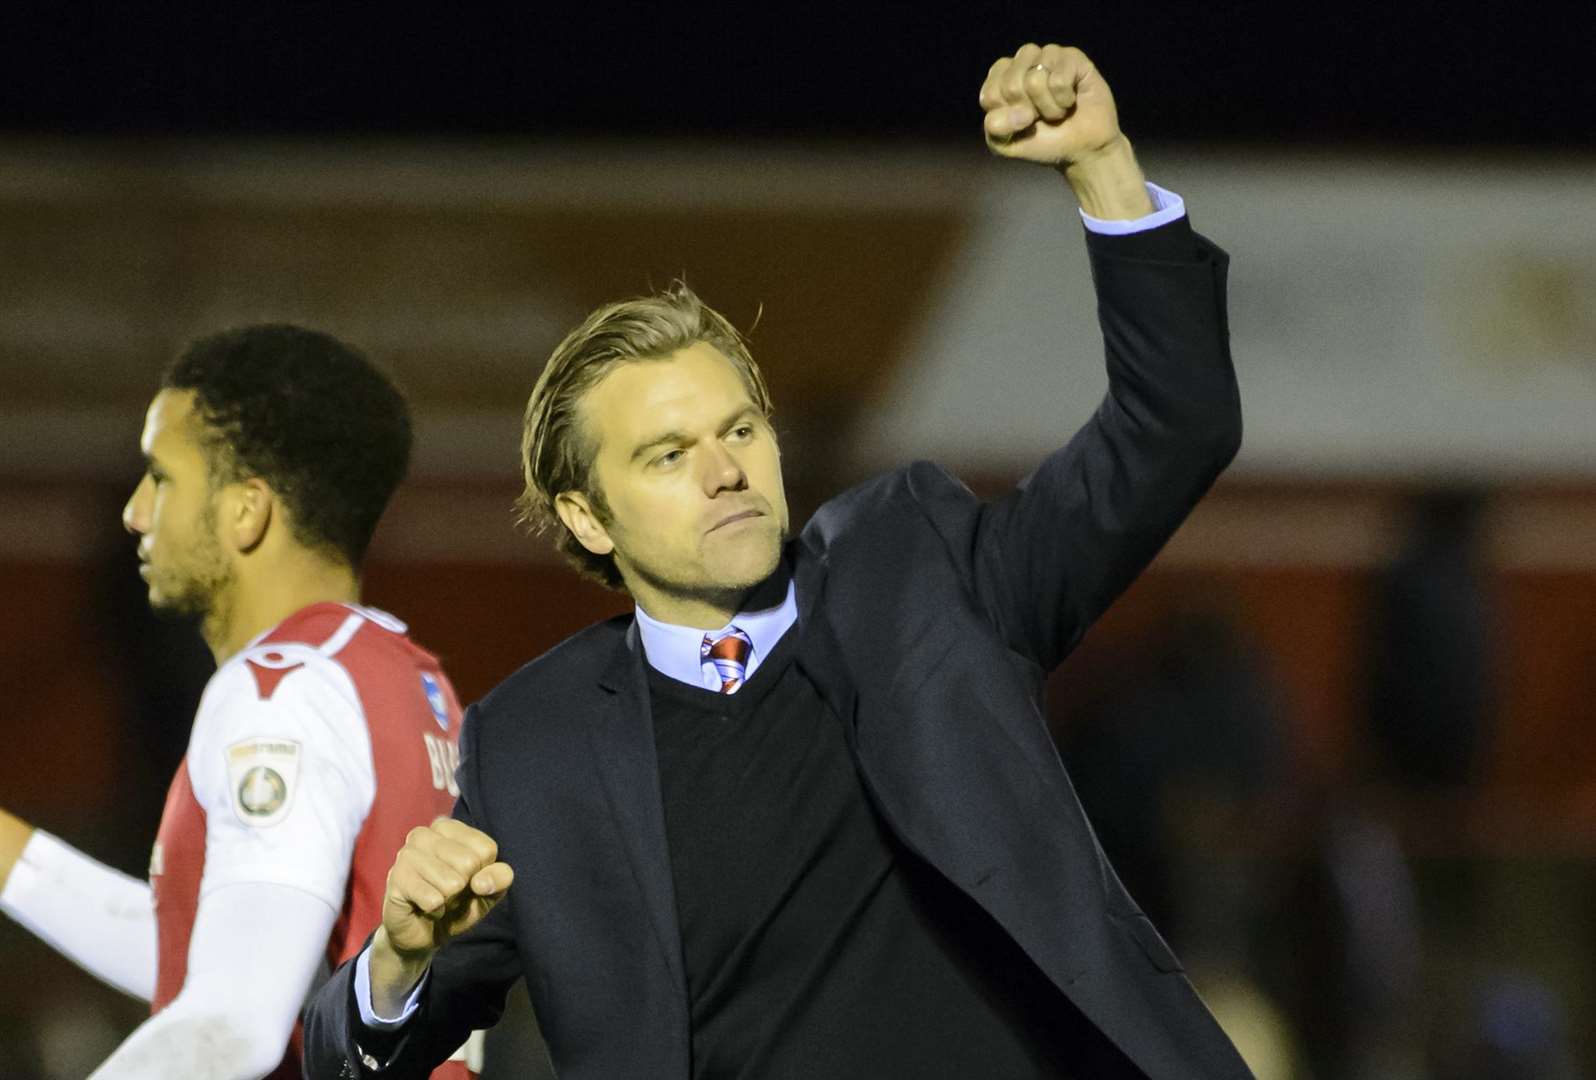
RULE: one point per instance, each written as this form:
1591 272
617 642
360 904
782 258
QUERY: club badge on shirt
435 699
262 775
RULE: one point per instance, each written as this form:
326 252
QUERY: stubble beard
722 592
197 586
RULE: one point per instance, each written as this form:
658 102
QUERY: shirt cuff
1167 207
363 996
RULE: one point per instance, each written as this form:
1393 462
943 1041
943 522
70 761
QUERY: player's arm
1052 555
14 836
286 782
99 918
254 951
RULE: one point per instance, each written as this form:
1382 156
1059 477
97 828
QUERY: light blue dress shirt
676 650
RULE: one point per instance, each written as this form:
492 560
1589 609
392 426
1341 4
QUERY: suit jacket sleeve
465 989
1048 558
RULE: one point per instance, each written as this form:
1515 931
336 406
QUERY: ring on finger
1039 67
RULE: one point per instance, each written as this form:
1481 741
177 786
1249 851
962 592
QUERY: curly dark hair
309 415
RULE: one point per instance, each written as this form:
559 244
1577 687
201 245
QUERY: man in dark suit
800 815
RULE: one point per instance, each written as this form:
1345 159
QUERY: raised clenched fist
1049 104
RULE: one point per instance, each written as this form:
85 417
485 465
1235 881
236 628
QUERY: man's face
173 512
691 473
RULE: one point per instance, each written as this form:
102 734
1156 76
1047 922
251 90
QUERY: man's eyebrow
743 412
643 449
747 412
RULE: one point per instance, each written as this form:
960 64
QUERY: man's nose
723 472
133 516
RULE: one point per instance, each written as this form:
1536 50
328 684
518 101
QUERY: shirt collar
674 650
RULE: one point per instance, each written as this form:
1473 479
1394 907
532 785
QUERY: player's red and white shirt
314 752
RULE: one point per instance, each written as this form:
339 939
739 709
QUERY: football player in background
324 736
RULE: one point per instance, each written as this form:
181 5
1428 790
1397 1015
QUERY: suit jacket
955 609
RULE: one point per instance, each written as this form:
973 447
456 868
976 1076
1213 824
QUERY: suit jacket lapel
622 733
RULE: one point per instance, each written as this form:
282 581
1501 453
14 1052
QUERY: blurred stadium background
1337 739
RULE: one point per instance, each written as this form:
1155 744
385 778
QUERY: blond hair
557 451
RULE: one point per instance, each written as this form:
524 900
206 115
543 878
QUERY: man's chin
723 574
730 583
181 607
749 564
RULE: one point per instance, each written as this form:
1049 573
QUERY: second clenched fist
445 879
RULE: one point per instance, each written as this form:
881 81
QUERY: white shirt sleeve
254 951
286 781
1167 207
99 918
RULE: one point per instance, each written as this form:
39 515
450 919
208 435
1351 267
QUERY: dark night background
1448 75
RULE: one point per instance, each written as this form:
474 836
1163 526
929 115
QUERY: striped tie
729 653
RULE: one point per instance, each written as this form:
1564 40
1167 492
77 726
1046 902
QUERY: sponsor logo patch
262 792
435 698
262 775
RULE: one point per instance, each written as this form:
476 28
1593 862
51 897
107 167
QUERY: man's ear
247 510
576 511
